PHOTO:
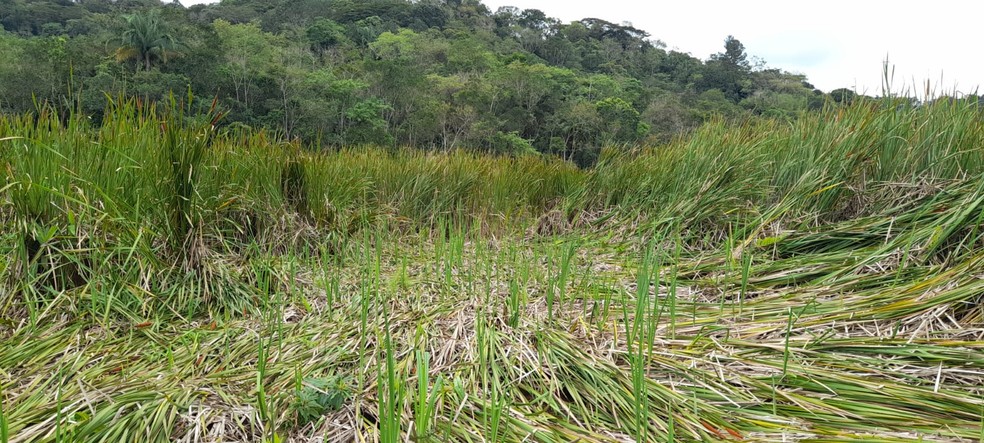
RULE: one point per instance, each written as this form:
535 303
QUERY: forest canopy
433 74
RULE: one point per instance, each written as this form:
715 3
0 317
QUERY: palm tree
147 38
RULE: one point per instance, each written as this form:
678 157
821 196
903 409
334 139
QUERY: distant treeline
435 74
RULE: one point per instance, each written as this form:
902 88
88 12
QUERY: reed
164 279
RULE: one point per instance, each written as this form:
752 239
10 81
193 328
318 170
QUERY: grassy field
821 280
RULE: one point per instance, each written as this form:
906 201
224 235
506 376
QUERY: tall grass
816 278
821 165
249 185
160 186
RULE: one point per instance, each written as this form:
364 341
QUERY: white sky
836 43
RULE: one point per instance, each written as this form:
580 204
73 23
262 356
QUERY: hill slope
427 74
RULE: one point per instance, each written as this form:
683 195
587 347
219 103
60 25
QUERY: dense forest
434 74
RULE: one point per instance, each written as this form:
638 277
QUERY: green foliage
445 75
511 143
325 33
728 72
186 140
395 47
622 120
156 86
884 141
843 95
147 38
318 396
858 215
366 123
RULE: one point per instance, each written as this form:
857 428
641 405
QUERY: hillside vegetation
165 277
429 74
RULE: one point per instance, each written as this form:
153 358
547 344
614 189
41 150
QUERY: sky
836 43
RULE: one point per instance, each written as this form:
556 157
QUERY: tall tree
728 71
734 54
146 38
250 57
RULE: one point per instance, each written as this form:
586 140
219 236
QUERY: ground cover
815 280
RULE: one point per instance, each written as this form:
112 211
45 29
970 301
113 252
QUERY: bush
511 143
319 396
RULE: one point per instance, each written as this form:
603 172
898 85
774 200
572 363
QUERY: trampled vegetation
164 279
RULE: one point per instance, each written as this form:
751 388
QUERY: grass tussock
164 279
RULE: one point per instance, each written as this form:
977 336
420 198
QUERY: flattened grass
816 280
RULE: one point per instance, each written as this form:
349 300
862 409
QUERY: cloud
794 49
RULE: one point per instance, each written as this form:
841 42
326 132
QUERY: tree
423 73
146 39
324 34
289 73
531 93
622 119
578 133
734 55
250 57
843 95
728 71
